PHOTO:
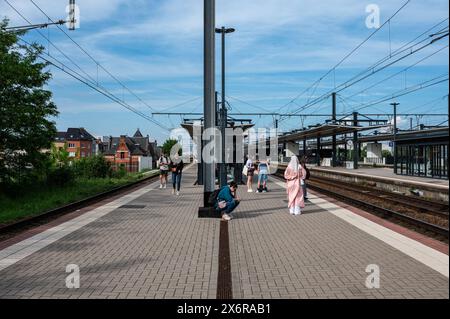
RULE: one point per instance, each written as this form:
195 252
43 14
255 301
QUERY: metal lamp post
223 110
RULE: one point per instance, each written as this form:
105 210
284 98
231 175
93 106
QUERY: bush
60 176
93 167
121 172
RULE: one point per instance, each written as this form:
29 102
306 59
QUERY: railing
375 160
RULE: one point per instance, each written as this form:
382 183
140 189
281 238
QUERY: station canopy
324 131
190 127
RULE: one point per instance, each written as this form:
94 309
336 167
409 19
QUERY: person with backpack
263 170
176 166
303 181
293 174
163 163
227 200
249 170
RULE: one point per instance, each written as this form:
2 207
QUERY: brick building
133 153
80 143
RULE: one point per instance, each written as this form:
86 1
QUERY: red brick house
80 143
132 153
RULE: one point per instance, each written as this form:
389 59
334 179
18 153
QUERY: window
83 154
71 145
122 155
72 154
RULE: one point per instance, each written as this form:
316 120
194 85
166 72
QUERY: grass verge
38 199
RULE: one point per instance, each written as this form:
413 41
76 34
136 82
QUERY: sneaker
173 192
178 193
226 217
160 186
291 211
250 191
165 186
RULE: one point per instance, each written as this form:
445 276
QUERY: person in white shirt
163 171
250 172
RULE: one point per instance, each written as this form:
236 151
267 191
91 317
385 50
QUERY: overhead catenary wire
87 78
94 60
364 75
348 55
423 85
67 70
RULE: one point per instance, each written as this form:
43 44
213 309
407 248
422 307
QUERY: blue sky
280 48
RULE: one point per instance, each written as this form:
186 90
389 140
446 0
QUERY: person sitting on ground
227 200
263 170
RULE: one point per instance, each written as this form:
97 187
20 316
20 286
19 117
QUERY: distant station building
79 142
423 153
132 153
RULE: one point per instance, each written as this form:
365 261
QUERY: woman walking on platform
176 165
293 174
249 166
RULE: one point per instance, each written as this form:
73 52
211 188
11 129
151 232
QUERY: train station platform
387 174
385 179
151 244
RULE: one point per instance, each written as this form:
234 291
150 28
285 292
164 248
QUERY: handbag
245 170
222 204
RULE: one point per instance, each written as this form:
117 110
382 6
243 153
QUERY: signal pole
395 104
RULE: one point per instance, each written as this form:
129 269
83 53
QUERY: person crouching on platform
293 174
227 200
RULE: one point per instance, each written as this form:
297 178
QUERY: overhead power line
347 55
64 68
94 60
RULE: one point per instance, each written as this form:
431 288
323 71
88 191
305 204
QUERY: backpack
213 197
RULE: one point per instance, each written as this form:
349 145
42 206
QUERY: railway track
386 205
422 205
46 217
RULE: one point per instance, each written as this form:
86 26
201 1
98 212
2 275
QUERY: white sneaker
250 191
297 211
178 193
165 186
226 217
160 186
291 211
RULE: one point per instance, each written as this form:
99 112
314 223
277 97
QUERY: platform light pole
223 110
333 119
395 104
209 107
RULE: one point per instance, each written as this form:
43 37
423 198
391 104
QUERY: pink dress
293 186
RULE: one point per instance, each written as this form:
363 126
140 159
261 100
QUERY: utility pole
395 104
333 120
209 121
355 142
223 111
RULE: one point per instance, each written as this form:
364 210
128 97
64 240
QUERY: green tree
59 155
26 108
167 146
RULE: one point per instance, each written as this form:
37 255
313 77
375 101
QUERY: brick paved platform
160 251
320 255
158 248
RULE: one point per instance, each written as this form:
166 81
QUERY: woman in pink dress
293 174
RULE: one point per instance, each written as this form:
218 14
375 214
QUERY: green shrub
60 176
121 172
92 167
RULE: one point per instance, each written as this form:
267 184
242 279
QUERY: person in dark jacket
227 200
303 164
176 166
